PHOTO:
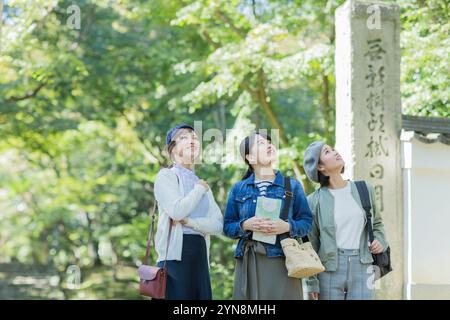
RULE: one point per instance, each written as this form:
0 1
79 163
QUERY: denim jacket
241 205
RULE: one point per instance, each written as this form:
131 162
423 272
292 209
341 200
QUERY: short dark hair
325 180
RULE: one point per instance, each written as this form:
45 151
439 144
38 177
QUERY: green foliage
84 112
426 58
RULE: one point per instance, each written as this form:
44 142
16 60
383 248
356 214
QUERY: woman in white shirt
187 206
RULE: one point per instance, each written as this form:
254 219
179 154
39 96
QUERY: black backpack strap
288 197
365 201
285 212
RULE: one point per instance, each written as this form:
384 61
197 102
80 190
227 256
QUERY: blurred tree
425 45
84 111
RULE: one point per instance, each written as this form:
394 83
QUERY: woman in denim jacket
339 232
260 271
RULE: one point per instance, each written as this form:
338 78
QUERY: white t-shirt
349 218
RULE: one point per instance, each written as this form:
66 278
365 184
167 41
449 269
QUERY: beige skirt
258 277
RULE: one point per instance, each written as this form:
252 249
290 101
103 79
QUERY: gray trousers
352 280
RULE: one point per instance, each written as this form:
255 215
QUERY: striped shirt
262 186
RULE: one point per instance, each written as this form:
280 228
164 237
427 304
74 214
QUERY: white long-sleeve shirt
173 203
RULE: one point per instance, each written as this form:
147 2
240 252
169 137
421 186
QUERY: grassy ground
24 281
99 283
18 281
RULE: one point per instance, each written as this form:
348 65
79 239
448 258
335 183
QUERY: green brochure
267 208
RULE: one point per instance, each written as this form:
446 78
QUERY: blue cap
174 130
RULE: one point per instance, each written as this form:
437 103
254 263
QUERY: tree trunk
93 243
327 111
260 96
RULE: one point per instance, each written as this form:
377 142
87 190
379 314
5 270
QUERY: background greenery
84 114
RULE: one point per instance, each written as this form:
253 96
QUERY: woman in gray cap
260 272
186 205
338 231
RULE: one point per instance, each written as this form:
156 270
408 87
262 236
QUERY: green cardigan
323 235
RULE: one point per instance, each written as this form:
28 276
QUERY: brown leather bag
153 279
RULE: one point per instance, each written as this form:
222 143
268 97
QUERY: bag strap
151 237
285 212
365 201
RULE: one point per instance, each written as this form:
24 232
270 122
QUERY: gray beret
311 160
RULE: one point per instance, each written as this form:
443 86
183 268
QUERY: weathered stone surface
368 115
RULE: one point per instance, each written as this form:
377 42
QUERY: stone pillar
368 116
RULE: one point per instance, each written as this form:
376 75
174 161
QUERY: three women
332 216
